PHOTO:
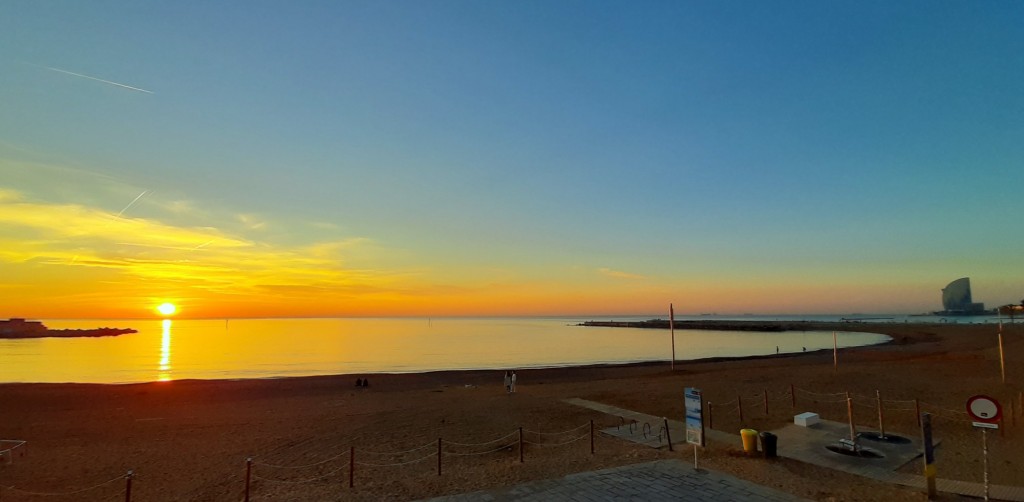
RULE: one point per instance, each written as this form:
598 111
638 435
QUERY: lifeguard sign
985 411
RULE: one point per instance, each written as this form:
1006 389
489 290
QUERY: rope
300 466
57 494
371 464
944 409
300 481
500 448
428 445
558 444
482 444
574 429
820 393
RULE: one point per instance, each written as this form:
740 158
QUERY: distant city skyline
456 158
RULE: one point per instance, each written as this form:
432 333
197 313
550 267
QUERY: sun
167 308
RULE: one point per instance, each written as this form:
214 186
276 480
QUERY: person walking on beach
513 381
508 383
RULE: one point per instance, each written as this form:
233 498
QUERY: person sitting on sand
359 382
366 382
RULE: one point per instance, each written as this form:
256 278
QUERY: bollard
248 476
128 487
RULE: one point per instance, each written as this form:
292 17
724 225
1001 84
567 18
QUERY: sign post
672 330
986 413
694 420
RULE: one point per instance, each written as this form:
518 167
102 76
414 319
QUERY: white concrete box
806 419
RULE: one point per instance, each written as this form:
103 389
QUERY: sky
536 157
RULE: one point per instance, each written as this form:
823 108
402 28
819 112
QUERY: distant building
956 299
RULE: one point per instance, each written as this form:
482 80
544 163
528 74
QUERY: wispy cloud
618 274
126 86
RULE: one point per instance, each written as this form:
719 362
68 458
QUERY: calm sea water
266 348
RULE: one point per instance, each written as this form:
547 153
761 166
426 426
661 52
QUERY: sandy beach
189 440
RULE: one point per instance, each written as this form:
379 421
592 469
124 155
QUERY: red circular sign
984 409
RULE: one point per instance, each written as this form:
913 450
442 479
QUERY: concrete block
806 419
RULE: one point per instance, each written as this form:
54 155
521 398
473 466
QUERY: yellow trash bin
749 440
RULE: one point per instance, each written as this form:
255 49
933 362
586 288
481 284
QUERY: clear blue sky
538 156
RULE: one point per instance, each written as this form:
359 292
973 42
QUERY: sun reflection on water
164 374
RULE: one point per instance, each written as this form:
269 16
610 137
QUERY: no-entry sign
984 409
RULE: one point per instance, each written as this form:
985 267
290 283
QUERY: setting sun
167 309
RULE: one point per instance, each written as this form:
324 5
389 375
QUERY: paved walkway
806 444
662 480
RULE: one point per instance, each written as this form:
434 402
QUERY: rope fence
439 449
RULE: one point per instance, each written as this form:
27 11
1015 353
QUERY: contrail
98 79
132 203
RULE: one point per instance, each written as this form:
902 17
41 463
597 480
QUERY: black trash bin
769 444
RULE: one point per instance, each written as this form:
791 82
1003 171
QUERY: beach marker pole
917 407
739 406
672 329
351 466
248 476
128 487
591 437
835 353
766 402
881 420
438 456
668 435
711 420
520 445
792 396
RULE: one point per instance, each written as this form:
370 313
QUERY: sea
175 349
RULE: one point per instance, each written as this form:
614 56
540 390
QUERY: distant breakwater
766 326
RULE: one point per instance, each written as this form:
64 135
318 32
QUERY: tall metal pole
672 329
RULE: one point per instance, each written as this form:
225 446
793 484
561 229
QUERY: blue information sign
694 417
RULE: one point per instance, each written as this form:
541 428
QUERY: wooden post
711 420
128 487
248 476
668 435
520 445
849 411
792 395
438 456
766 402
881 420
739 406
917 409
591 437
351 466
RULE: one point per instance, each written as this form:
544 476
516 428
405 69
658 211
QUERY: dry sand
188 440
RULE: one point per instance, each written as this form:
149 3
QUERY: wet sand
188 440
